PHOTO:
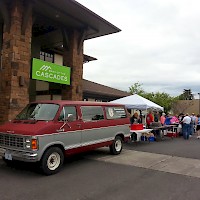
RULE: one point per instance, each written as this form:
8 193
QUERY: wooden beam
50 40
27 14
65 39
5 14
1 37
83 34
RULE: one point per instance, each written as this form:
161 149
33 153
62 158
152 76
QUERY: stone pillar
74 58
16 62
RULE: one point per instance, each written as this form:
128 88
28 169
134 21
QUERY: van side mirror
70 117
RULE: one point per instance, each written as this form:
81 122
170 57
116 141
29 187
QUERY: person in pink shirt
162 119
174 120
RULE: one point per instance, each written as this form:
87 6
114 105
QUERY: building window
49 57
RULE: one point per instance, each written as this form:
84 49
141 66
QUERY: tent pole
145 122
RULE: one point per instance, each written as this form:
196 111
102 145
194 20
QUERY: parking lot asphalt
173 147
176 156
168 169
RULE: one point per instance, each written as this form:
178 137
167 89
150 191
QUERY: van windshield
38 111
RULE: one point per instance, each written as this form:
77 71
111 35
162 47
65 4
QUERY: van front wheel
52 161
116 146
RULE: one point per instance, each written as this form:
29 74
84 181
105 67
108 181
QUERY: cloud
158 45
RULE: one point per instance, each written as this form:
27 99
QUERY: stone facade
16 63
32 26
16 57
74 59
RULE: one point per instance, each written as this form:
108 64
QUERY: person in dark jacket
135 119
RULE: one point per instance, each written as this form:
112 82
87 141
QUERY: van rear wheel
116 146
52 161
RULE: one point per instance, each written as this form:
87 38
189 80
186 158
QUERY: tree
162 99
186 95
136 88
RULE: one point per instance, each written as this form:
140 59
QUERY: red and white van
47 131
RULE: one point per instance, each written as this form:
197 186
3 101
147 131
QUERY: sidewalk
176 156
153 161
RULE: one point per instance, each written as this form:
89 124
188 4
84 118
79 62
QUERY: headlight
28 146
28 140
31 143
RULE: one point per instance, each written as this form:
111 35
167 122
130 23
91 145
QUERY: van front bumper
18 155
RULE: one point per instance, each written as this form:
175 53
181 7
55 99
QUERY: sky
159 45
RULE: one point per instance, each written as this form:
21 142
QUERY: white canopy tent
137 102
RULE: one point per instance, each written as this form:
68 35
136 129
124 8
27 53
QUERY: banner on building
50 72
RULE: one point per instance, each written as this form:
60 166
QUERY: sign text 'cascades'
51 72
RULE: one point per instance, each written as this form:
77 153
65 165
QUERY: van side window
92 113
69 110
115 112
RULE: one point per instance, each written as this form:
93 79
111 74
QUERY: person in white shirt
186 126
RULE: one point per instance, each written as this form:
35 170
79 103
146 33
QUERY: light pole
199 102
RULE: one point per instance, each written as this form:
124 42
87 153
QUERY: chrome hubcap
53 161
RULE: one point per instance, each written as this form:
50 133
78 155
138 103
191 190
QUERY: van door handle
60 130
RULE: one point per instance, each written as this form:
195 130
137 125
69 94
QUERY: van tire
52 161
117 146
9 163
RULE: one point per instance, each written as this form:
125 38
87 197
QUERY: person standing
135 119
156 117
186 126
174 120
162 119
168 119
193 123
149 119
198 126
180 130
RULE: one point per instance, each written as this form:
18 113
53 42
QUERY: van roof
69 102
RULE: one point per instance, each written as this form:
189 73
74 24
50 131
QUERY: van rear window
115 112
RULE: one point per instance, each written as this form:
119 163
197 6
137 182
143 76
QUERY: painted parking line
153 161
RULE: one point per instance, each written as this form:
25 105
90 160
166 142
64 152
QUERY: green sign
51 72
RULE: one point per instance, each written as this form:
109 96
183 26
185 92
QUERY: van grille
13 141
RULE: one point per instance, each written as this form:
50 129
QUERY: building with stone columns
47 30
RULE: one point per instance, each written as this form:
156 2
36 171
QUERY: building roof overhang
93 88
73 15
51 16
